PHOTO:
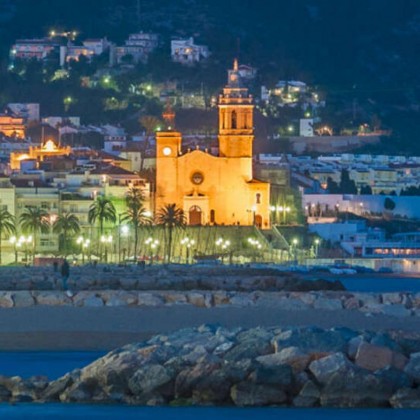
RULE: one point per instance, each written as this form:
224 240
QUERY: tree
347 185
34 220
170 217
332 186
150 124
7 224
65 225
102 210
389 204
136 214
366 190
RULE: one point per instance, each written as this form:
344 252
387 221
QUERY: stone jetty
211 365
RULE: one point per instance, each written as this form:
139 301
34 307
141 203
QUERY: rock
5 394
148 378
355 389
52 298
391 298
220 298
308 396
394 377
54 389
175 298
250 344
188 378
314 339
243 299
412 368
213 388
149 299
196 299
373 357
323 369
352 303
291 356
250 394
6 300
93 301
280 376
22 299
406 398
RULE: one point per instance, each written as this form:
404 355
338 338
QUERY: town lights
188 243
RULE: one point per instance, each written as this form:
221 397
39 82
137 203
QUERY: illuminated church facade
215 190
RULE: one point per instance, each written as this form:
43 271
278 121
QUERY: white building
184 51
138 46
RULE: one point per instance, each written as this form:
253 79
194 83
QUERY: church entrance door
258 221
195 216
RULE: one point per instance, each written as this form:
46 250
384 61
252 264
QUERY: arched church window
234 119
212 216
258 198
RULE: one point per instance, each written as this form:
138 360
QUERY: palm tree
150 124
34 220
7 224
102 210
170 217
66 224
135 214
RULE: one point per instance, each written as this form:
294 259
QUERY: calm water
51 364
379 284
65 411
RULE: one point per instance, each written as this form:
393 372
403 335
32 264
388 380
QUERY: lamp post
123 231
13 241
224 244
23 240
317 242
84 244
294 250
153 244
106 240
255 244
188 243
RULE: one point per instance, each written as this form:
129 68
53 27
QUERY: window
258 198
212 216
234 119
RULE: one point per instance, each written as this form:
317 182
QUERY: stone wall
398 304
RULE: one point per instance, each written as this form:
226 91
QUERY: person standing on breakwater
65 273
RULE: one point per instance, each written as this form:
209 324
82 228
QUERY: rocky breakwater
398 304
210 365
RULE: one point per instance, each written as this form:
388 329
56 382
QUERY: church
215 190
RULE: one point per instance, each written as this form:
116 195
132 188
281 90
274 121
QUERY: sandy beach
69 328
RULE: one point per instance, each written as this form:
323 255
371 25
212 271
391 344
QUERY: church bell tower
236 126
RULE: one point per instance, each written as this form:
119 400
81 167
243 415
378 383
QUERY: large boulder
22 299
412 368
373 357
406 398
308 396
355 388
292 356
148 378
323 369
251 394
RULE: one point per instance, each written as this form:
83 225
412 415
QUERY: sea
105 412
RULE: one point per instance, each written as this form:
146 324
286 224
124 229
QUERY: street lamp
294 249
188 243
255 244
224 244
106 240
153 244
84 244
317 242
23 240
